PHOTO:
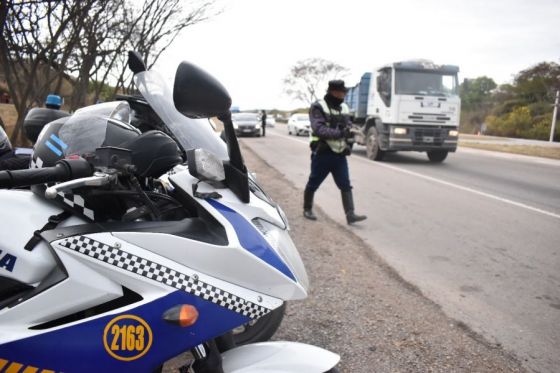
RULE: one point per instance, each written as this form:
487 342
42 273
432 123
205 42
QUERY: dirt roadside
361 309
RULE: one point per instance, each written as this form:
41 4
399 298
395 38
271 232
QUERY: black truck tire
437 156
373 150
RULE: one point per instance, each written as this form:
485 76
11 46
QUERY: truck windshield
425 83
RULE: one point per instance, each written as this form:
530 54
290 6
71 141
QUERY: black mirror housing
197 94
135 62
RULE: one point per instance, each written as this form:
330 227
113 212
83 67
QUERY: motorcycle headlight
282 243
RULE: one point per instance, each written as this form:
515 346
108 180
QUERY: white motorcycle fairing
170 263
278 357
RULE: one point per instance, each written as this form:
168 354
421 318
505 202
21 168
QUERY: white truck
409 105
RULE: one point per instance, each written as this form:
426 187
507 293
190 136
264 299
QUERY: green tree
523 109
476 92
538 83
475 102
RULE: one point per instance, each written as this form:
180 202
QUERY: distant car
299 124
246 124
270 121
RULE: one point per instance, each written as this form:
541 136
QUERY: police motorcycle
131 248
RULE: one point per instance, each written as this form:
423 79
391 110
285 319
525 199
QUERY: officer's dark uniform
263 122
330 124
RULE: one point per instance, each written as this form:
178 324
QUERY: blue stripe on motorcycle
53 148
251 239
59 141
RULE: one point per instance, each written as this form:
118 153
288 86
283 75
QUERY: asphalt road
478 234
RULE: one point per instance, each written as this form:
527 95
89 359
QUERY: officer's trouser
325 162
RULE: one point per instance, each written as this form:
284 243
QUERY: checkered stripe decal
165 275
73 200
77 202
36 163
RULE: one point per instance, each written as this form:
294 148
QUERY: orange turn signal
182 315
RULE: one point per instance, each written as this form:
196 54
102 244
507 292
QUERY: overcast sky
252 44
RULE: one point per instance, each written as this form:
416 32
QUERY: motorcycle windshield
191 133
91 127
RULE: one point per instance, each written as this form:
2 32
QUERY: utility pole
553 126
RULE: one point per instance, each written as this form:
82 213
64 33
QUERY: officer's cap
337 85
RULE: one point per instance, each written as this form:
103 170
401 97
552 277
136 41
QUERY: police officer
330 124
263 122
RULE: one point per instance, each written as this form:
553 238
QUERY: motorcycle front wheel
259 330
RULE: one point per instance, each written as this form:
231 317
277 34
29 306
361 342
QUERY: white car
299 124
270 121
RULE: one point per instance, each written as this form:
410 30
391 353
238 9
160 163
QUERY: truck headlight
453 133
400 131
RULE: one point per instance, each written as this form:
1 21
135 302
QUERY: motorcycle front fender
278 357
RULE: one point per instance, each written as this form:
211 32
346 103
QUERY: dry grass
8 114
533 150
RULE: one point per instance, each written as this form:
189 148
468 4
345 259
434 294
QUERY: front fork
207 359
207 356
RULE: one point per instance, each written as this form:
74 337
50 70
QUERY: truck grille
423 136
429 118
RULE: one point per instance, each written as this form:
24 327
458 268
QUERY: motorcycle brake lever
98 179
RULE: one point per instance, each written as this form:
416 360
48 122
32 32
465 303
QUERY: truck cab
411 106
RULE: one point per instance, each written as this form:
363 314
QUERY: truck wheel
372 145
437 156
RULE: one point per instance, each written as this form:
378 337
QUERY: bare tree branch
307 78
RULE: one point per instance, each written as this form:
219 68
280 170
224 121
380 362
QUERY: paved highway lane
478 234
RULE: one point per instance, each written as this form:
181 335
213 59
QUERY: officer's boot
308 205
348 203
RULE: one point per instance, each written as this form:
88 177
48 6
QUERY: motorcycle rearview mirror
205 166
197 94
135 62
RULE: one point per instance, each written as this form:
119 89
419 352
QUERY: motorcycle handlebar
64 170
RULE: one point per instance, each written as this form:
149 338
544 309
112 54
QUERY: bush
522 123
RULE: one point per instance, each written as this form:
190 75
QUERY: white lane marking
447 183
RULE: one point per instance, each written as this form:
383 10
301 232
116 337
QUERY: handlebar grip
66 169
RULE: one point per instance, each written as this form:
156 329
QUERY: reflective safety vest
336 145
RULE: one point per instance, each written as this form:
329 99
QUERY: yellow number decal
127 337
130 338
140 337
115 332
